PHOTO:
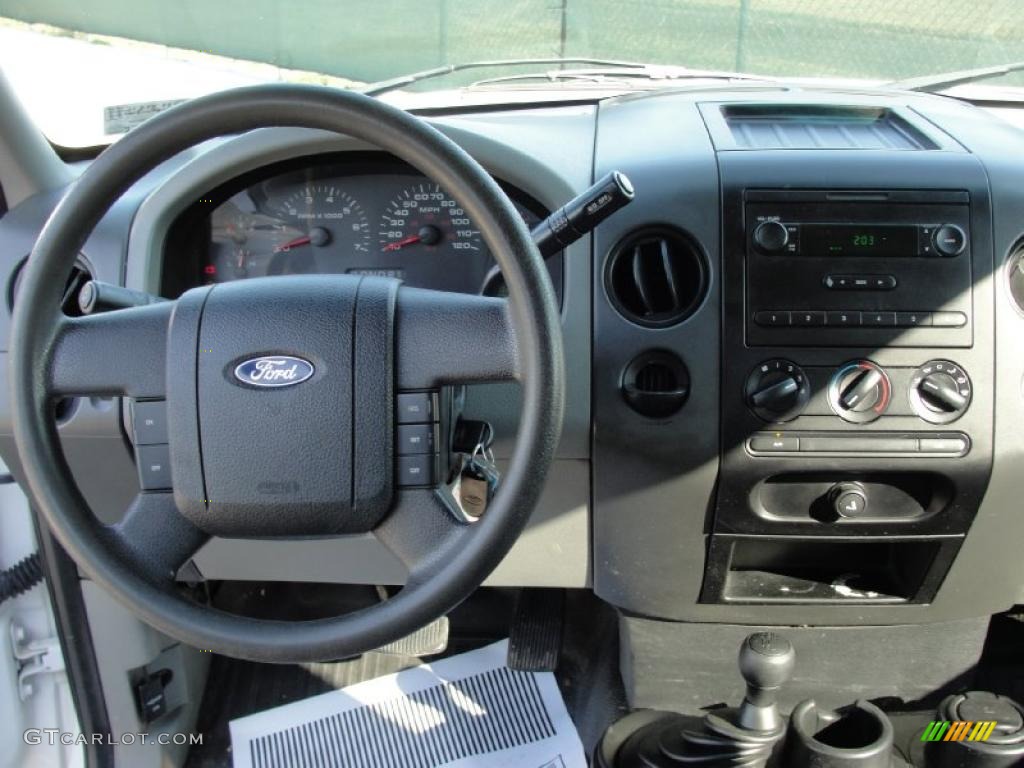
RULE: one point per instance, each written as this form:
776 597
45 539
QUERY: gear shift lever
766 663
745 735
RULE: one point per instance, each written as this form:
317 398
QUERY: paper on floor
467 710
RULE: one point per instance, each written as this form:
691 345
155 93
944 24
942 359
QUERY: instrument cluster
367 214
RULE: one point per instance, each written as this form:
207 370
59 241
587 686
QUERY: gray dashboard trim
28 164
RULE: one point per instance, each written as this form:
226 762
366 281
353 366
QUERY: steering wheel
316 457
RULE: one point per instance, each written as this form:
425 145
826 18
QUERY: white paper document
466 711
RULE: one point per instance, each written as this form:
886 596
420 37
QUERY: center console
856 416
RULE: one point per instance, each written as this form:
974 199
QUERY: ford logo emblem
274 371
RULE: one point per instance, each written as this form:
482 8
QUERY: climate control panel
859 392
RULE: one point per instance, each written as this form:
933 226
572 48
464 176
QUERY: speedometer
424 217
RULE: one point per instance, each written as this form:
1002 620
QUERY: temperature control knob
859 392
940 391
777 390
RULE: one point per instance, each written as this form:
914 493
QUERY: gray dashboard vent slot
656 276
812 126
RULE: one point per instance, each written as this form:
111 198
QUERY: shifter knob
766 663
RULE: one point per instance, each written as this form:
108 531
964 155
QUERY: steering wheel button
415 408
154 467
149 422
416 470
415 439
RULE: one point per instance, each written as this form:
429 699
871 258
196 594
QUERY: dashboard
355 213
795 382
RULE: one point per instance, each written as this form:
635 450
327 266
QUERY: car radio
826 270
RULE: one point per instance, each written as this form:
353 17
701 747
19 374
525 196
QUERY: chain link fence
373 39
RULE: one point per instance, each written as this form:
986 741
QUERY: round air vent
656 384
81 273
656 277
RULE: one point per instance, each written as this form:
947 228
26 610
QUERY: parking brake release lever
581 214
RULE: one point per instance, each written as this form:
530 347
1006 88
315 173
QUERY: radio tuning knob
859 392
777 390
949 240
940 391
771 236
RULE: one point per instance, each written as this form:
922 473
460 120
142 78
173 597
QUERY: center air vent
656 277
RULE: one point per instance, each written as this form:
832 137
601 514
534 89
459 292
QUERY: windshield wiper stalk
947 80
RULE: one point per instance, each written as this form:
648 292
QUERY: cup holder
1000 721
858 736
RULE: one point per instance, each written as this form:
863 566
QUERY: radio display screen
890 240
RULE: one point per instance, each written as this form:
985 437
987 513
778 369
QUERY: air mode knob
940 391
777 390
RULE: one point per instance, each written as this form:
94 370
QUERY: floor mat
466 710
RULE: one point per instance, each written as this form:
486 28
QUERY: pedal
425 641
535 640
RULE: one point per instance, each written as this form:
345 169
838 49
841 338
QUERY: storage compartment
759 569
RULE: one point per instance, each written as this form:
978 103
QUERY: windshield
89 71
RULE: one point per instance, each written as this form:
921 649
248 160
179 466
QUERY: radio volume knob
771 236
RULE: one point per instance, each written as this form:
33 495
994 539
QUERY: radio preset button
949 319
841 318
772 317
913 319
808 318
880 319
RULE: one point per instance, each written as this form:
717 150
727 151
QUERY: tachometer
425 217
324 216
